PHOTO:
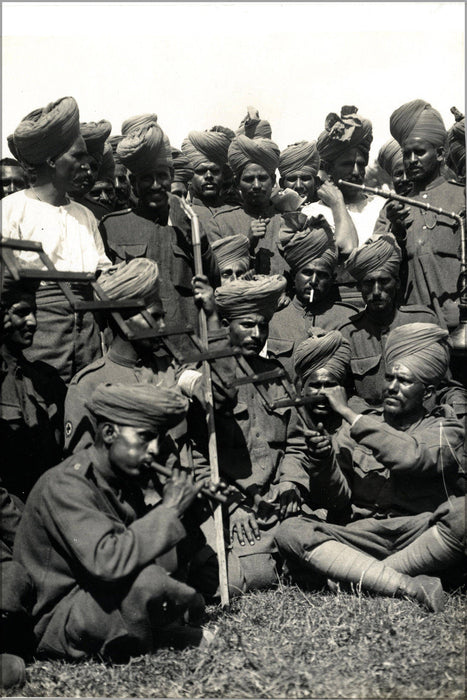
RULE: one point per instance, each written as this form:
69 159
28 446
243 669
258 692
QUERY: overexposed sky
197 64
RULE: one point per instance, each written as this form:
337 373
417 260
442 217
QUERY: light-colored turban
95 134
232 249
418 119
137 122
303 241
263 152
206 147
259 295
456 143
114 141
136 279
299 156
46 132
107 164
183 172
144 149
148 406
254 127
390 156
349 130
381 253
327 349
421 347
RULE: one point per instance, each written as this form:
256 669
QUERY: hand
243 524
337 397
290 501
180 490
398 214
195 611
319 444
258 229
330 194
204 294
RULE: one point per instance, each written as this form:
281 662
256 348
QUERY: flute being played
215 491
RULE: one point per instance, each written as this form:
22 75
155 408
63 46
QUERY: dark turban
47 132
263 152
224 130
95 134
327 349
107 165
421 347
114 141
232 249
259 295
206 147
136 279
137 122
183 172
144 149
456 143
299 156
390 156
381 253
254 127
350 130
418 119
147 406
302 241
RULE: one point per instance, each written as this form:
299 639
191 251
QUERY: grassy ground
293 644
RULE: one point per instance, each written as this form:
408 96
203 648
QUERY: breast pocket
128 251
362 366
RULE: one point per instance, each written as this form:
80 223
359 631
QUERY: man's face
422 160
255 186
301 181
122 186
13 179
139 323
19 323
402 185
350 166
403 394
312 277
233 271
379 290
249 333
179 189
73 168
132 450
316 382
103 192
152 189
207 181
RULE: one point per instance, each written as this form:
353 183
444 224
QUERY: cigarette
312 293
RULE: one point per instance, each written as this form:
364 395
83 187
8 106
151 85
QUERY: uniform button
257 434
424 196
77 466
424 228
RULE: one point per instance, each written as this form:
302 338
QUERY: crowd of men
324 315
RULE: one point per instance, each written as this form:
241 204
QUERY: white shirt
68 234
363 213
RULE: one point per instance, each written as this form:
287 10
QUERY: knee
452 524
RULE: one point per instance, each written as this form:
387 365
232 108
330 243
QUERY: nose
412 157
31 320
355 169
255 333
298 184
208 175
376 289
161 325
153 447
256 184
393 386
11 189
314 280
104 197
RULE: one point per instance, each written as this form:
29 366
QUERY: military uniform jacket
378 471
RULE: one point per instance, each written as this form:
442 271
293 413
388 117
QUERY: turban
114 141
183 172
137 122
254 127
263 152
232 249
390 156
46 132
381 253
206 147
327 349
147 406
136 279
224 130
145 148
299 156
456 142
422 348
350 130
417 119
302 241
95 135
107 164
259 295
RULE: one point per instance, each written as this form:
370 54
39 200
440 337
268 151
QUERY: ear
225 323
428 392
133 183
273 178
440 154
51 162
109 433
281 182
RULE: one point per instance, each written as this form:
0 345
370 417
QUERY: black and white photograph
233 350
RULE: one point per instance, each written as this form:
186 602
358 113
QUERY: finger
238 532
320 427
254 527
247 531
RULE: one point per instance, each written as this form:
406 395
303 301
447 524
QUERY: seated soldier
310 251
31 395
108 570
126 362
390 470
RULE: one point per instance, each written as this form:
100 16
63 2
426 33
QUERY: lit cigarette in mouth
312 293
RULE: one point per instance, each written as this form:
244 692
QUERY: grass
289 643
